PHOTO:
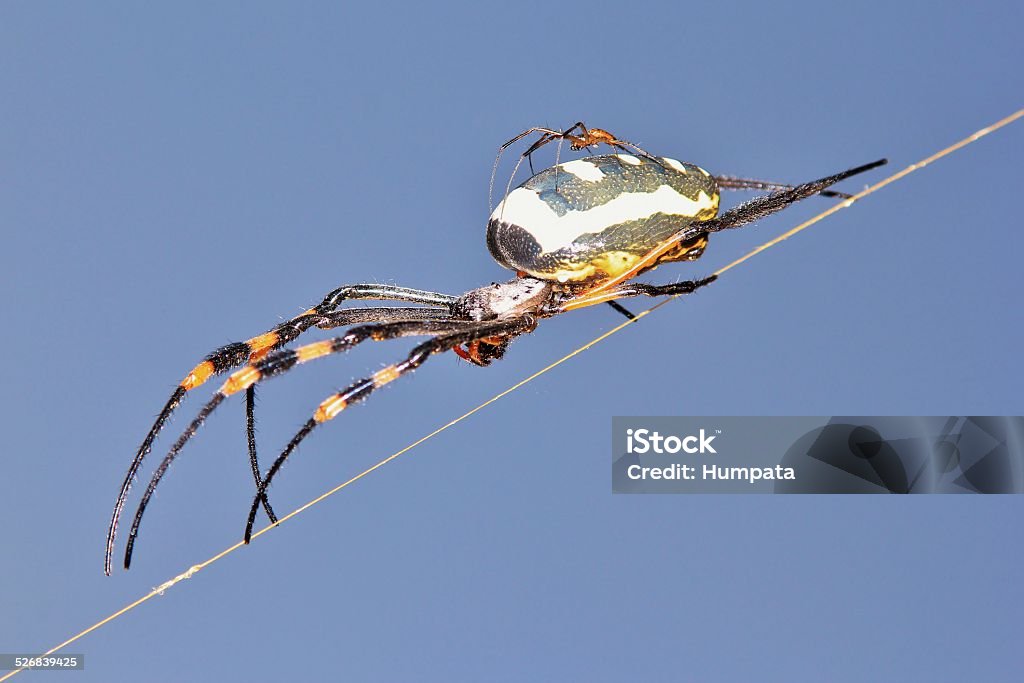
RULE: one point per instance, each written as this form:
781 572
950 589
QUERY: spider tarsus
147 444
161 470
621 309
308 427
254 462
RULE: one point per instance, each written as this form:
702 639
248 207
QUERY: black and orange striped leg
342 318
278 363
361 389
231 355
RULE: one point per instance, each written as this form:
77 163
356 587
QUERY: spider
576 234
587 138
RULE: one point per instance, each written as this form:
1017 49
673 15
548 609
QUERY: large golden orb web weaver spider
576 234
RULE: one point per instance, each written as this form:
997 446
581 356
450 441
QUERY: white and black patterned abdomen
594 218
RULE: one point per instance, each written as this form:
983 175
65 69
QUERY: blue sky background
173 179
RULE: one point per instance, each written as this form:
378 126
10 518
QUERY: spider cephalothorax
576 234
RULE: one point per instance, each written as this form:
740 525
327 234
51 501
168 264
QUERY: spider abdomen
594 218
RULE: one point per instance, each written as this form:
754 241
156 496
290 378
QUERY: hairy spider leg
231 355
359 390
274 364
382 314
342 318
254 461
631 289
728 182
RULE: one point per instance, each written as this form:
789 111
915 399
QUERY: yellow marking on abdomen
311 351
329 408
199 374
242 379
382 377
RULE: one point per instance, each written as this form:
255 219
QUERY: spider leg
621 309
547 135
765 205
628 147
341 318
236 353
575 141
359 390
727 182
531 131
254 461
381 314
567 134
278 363
543 140
629 289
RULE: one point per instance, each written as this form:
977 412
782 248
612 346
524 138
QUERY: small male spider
587 138
575 234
